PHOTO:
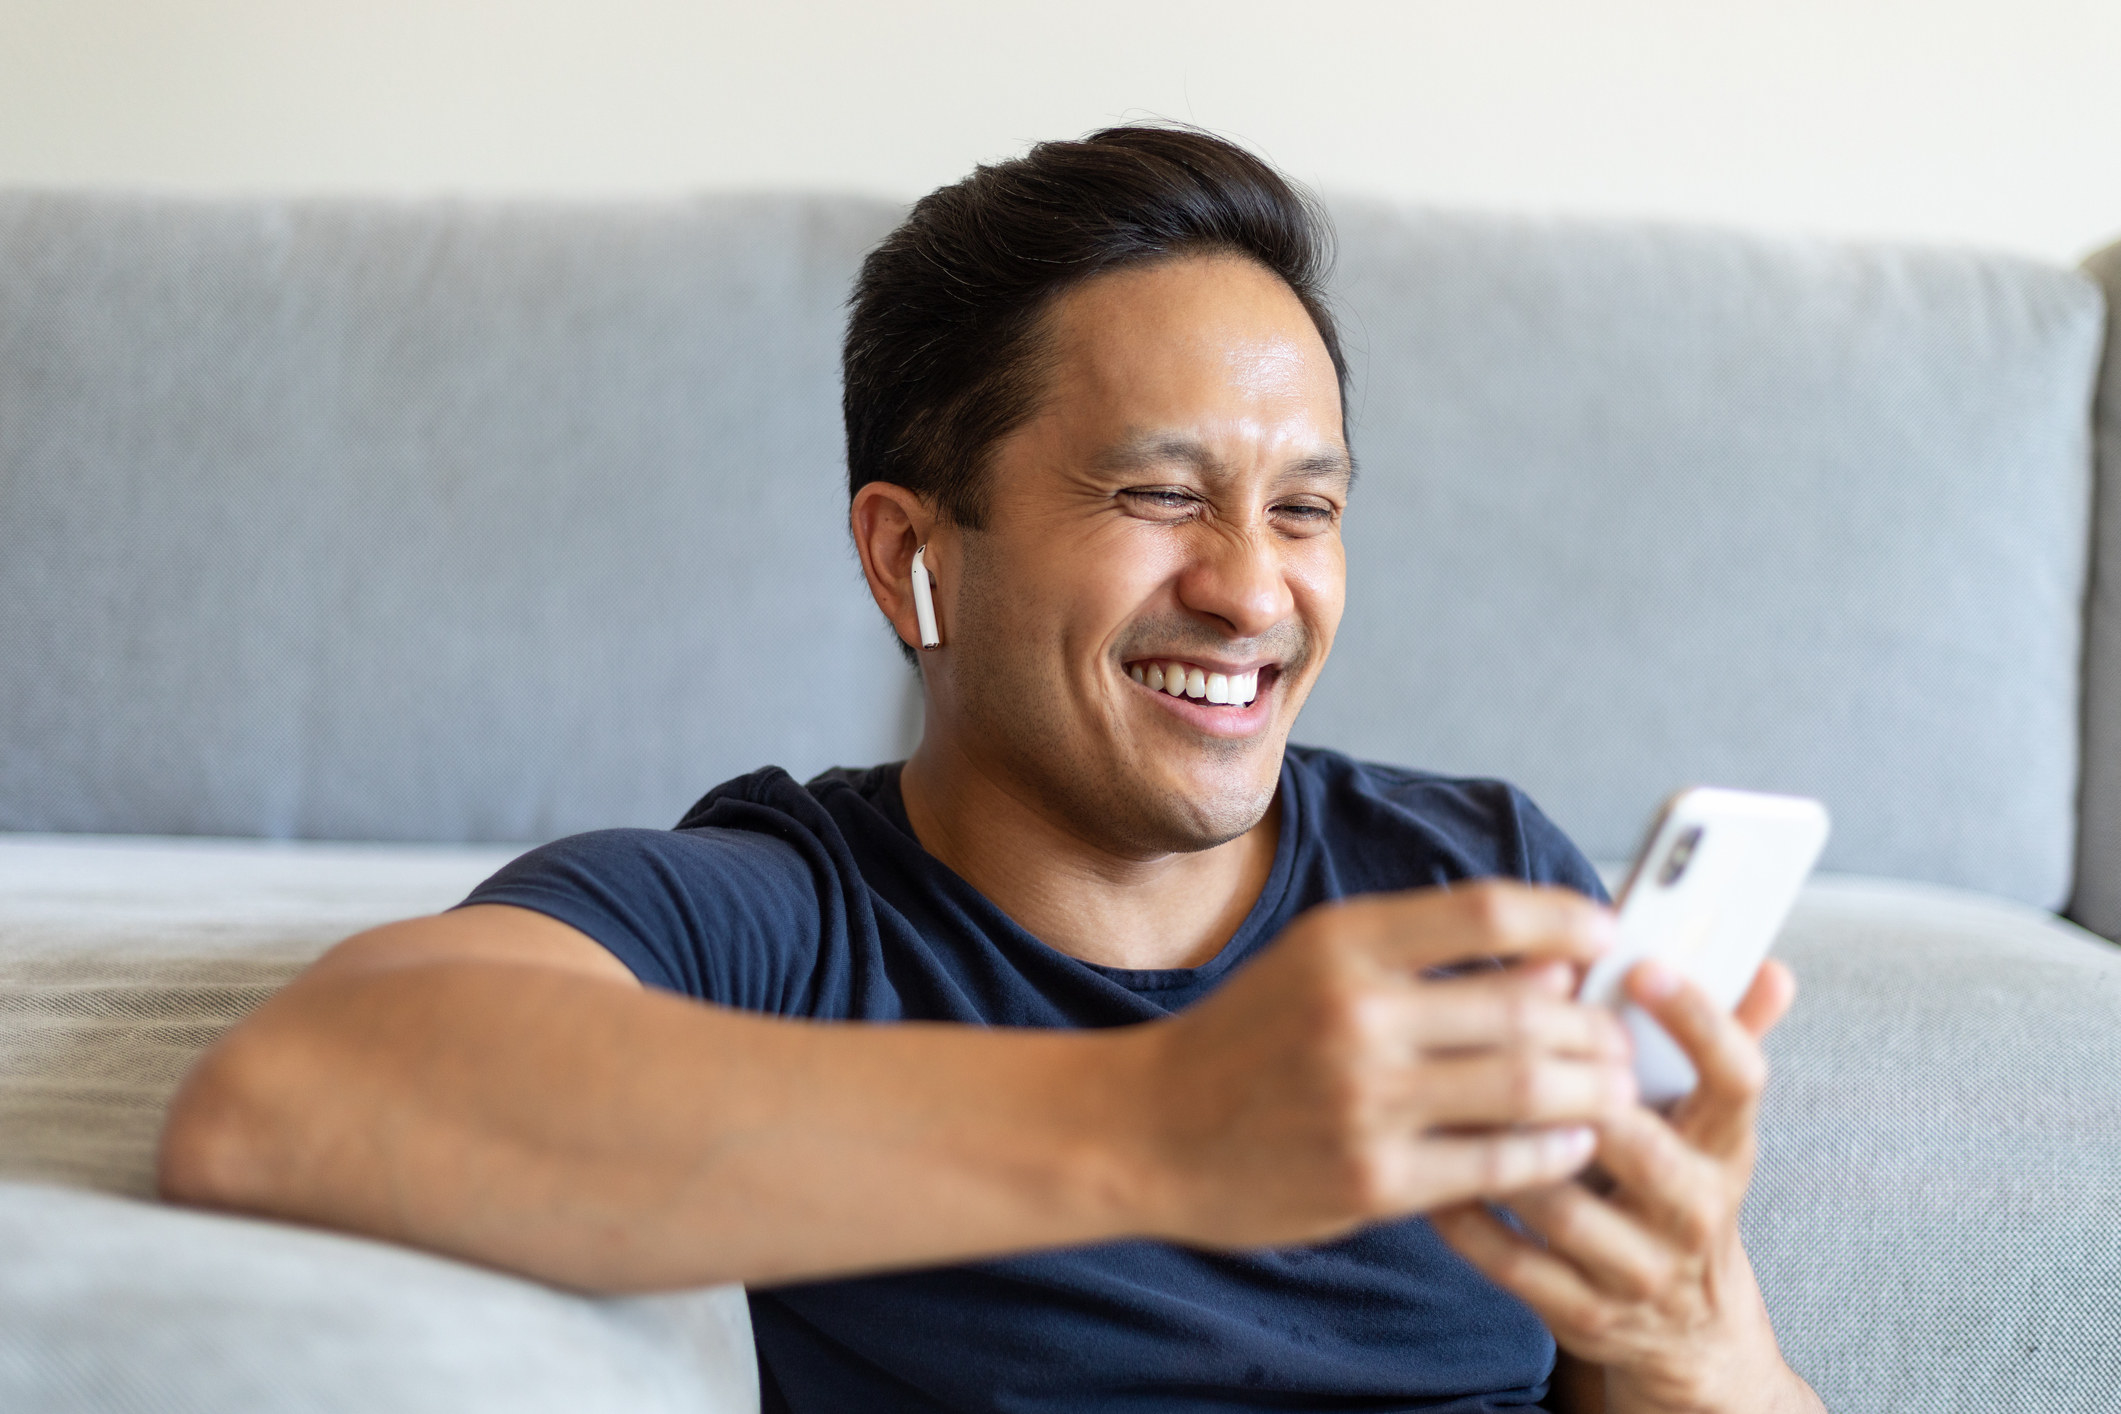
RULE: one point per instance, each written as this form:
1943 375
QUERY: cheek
1114 579
1318 578
1038 618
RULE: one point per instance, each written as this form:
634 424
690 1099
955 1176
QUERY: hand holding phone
1711 888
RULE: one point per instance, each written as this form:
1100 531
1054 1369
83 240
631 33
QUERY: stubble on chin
1009 695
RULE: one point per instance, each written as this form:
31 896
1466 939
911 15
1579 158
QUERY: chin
1200 809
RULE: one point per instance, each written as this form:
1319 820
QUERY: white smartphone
1714 882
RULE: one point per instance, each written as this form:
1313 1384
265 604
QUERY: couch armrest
110 1303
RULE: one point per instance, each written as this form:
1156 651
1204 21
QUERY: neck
1172 910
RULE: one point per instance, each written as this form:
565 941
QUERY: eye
1160 502
1305 517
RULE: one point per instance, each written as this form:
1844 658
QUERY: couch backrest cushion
2097 903
425 520
1642 507
448 520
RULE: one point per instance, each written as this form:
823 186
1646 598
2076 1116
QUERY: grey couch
442 527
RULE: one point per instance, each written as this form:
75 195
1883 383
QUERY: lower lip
1206 717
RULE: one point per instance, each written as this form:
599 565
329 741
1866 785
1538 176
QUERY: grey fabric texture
1936 1217
424 520
445 520
109 1304
1645 507
121 960
2097 902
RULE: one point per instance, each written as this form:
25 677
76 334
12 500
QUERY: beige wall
1951 119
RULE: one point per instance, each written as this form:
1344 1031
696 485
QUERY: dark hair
942 358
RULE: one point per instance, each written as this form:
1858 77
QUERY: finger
1505 1009
1454 1168
1493 1088
1768 1000
1493 918
1720 1114
1673 1189
1612 1248
1555 1290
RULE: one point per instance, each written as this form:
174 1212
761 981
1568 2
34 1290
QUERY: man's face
1172 512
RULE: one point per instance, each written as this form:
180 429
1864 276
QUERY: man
1211 1055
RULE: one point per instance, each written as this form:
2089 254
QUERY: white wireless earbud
924 600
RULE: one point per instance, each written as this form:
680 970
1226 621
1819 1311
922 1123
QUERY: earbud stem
924 600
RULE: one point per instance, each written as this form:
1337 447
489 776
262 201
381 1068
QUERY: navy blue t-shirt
817 901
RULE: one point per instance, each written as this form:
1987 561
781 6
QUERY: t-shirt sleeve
726 916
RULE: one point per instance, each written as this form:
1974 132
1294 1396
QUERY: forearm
614 1138
492 1083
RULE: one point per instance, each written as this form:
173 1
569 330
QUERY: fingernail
1656 981
1604 932
1574 1144
1557 977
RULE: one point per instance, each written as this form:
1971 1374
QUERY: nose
1237 576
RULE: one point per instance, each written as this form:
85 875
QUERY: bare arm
493 1084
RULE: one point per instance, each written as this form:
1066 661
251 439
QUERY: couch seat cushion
1936 1219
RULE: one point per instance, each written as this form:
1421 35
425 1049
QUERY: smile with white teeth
1186 680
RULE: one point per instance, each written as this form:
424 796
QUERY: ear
889 524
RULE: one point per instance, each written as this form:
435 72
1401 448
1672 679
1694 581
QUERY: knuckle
1501 1164
1652 1277
1321 935
1513 1265
1632 1282
1352 1021
1364 1180
1665 1169
1488 907
1528 1086
1749 1072
1698 1227
1697 1221
1521 1013
1326 986
1563 1223
1593 1322
1513 1162
1370 1018
1345 1102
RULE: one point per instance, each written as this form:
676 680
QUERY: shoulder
622 867
731 906
1398 827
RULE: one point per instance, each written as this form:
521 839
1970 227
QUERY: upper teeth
1185 680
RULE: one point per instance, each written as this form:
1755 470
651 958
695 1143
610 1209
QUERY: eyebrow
1148 449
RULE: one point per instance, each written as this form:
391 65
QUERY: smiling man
1222 1074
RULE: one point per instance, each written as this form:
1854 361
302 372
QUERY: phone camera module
1682 854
